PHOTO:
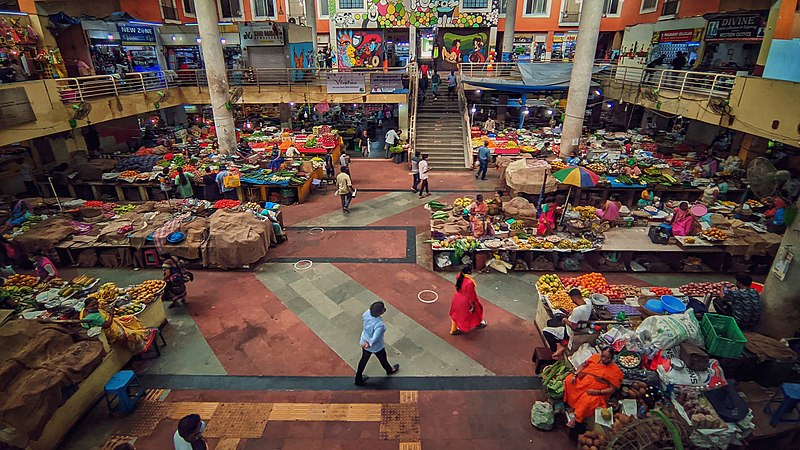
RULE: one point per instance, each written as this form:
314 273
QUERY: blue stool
789 403
125 387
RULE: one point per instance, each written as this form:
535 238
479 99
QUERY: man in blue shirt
227 193
483 159
372 342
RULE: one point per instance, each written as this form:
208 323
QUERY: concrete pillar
311 22
780 304
766 43
334 42
581 78
207 23
508 31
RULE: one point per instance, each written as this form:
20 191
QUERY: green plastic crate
722 336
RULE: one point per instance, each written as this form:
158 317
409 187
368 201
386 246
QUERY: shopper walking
175 277
344 187
452 83
364 143
329 169
164 183
466 310
423 88
226 192
436 80
392 137
415 171
183 184
189 435
483 160
423 176
371 342
210 190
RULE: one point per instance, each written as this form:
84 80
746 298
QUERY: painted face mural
419 13
461 46
359 48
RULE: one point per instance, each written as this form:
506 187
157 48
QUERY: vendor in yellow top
478 216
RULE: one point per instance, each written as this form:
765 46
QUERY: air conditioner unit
297 20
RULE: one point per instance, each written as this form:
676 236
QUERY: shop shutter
269 64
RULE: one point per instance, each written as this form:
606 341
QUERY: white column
207 21
581 79
780 303
412 43
334 42
311 21
508 32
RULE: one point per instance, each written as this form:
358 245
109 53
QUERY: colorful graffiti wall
419 13
359 48
459 45
301 56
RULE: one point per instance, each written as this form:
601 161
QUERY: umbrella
577 176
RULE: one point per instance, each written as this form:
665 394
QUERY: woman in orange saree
466 310
592 384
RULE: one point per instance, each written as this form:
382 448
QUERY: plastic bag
542 416
443 260
663 332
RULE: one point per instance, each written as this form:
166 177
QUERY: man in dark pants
742 303
483 160
371 342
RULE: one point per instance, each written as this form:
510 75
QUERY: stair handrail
463 108
412 103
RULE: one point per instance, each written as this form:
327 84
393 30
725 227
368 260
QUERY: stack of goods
702 289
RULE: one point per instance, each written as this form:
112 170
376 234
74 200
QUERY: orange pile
595 282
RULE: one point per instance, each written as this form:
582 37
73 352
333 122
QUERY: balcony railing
80 89
678 82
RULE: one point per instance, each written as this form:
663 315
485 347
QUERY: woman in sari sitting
683 222
592 384
477 216
466 310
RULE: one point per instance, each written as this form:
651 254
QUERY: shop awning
535 77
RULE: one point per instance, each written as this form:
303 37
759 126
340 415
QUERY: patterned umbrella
577 176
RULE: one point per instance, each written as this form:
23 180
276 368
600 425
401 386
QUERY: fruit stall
677 360
87 362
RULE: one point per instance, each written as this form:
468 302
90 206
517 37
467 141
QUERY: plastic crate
722 336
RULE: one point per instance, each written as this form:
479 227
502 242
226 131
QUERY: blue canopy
536 77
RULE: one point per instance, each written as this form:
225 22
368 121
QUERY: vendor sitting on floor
610 211
742 303
556 333
478 212
683 222
592 384
574 159
774 215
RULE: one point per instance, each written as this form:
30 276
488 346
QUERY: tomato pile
660 291
226 204
93 204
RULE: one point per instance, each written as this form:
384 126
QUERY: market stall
67 380
666 365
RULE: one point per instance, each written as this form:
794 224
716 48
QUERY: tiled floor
274 348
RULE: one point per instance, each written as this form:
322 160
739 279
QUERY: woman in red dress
466 310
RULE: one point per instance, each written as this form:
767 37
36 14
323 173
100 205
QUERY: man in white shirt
292 152
559 332
391 139
189 434
423 176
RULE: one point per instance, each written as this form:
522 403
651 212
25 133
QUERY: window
323 9
670 7
168 10
351 4
264 8
536 8
188 7
230 9
648 6
611 7
503 7
474 4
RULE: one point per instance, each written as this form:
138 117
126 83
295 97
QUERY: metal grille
475 4
351 4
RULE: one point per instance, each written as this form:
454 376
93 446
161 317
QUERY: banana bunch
106 294
462 202
516 225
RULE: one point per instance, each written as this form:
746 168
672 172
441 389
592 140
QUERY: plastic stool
152 345
151 258
789 403
119 388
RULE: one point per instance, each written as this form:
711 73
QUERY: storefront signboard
674 36
137 35
735 27
385 83
346 83
15 107
261 34
523 38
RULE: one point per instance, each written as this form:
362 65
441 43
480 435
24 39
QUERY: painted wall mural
359 48
456 46
301 57
419 13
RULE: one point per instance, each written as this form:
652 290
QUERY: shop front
397 47
671 42
18 43
530 47
564 45
264 45
139 44
644 43
181 47
733 41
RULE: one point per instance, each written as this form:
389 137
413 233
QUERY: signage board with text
346 83
261 34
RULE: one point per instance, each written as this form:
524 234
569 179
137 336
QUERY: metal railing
463 107
681 82
88 88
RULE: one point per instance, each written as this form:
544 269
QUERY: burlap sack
237 238
43 236
196 232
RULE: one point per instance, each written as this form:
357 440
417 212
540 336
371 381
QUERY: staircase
440 132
